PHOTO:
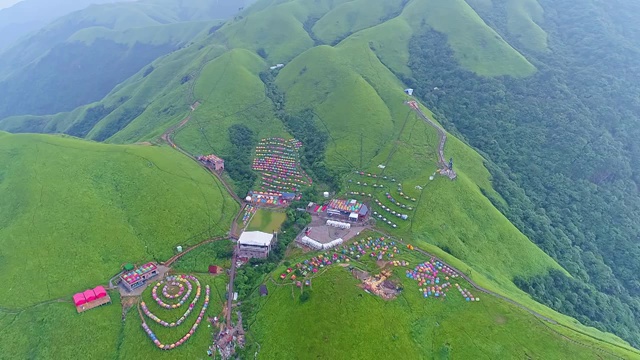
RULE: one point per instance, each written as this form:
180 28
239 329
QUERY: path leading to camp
174 258
232 277
444 168
168 138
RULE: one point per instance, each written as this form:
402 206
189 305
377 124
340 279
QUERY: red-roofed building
91 298
137 277
100 292
78 299
89 295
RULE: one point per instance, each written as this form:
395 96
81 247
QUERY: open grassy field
56 331
137 345
82 208
267 221
341 321
198 260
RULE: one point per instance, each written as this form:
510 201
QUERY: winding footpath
167 136
443 140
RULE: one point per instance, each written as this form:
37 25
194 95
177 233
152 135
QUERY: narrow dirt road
443 140
232 277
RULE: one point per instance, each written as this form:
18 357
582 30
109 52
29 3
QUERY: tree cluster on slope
566 166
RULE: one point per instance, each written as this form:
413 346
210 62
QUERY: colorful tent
100 292
78 299
89 295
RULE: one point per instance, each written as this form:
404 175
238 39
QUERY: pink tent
89 295
79 299
100 292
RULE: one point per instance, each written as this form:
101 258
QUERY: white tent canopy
310 242
353 216
255 238
338 224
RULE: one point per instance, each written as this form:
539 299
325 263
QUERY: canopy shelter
100 292
353 216
89 295
255 238
78 299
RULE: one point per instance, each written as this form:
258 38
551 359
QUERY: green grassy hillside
340 321
86 54
80 208
353 93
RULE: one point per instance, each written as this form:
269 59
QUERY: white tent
255 238
353 216
338 224
310 242
332 244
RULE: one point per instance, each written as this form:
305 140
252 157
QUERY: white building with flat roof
254 244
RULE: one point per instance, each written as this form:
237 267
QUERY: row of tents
305 240
89 295
338 224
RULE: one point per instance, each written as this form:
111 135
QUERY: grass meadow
267 221
73 211
341 321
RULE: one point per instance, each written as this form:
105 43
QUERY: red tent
213 269
79 299
100 292
89 295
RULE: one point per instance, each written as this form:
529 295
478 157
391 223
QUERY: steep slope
80 58
30 15
565 142
76 207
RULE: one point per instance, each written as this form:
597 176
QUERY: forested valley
563 149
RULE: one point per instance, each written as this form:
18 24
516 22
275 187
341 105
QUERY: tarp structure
100 292
338 224
305 240
89 295
311 243
346 206
353 216
78 299
255 238
134 276
332 244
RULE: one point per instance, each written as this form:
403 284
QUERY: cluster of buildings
270 198
346 210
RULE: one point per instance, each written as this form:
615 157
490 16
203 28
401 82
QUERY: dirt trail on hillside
444 168
168 138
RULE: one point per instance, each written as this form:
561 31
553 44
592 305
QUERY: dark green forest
563 150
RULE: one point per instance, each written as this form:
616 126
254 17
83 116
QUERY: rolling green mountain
542 210
27 16
72 206
80 57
